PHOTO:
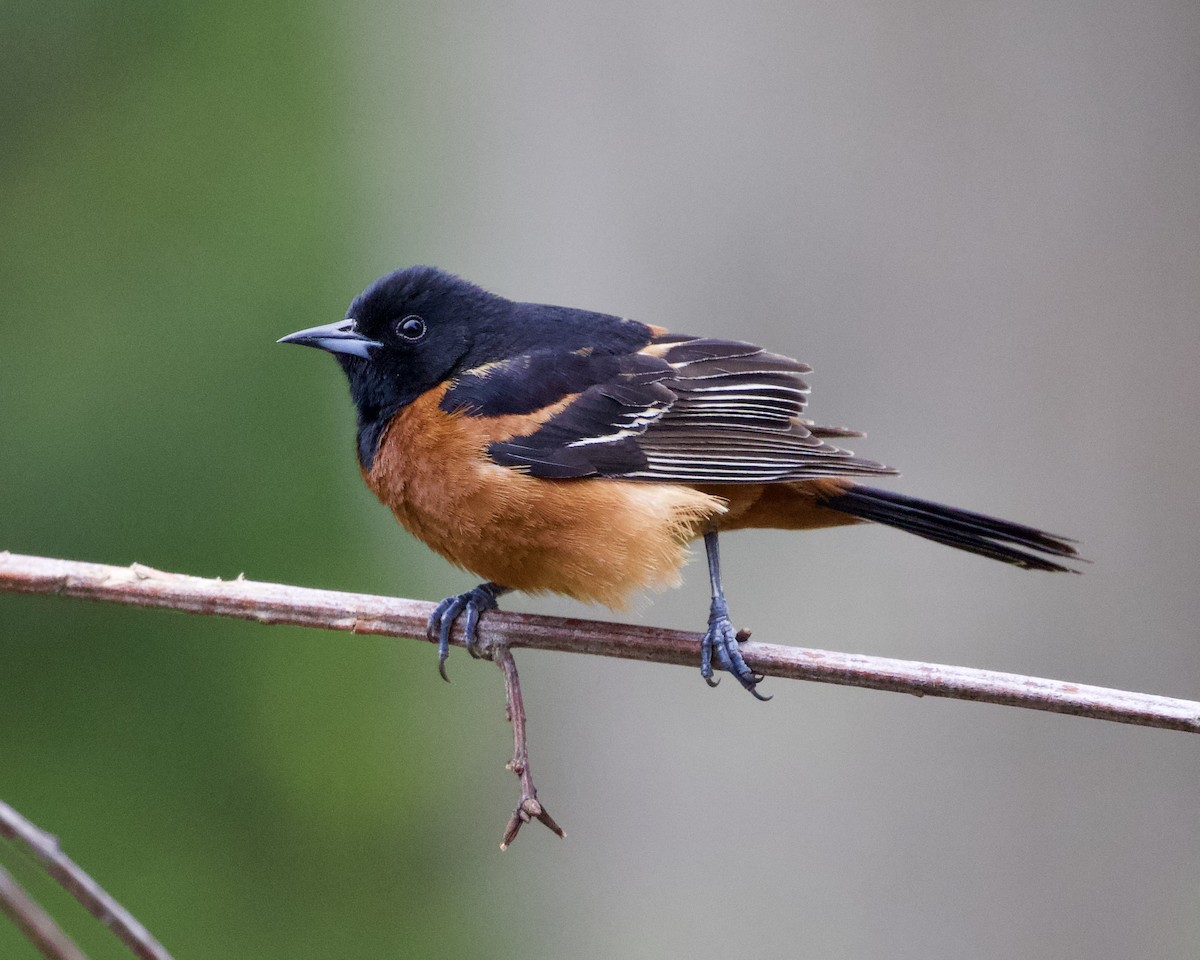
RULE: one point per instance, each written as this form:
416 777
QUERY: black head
420 327
406 333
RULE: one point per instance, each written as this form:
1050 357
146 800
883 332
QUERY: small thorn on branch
529 807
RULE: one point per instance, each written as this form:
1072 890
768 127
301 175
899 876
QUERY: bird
549 449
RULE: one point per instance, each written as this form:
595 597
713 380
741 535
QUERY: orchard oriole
551 449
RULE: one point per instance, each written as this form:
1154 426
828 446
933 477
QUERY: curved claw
722 640
706 651
445 625
441 622
435 618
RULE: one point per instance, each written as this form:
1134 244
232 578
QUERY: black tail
974 532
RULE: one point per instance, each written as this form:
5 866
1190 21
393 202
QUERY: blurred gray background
978 222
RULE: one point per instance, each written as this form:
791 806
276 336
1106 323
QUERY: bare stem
32 920
82 887
529 807
361 613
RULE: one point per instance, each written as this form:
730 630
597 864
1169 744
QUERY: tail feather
973 532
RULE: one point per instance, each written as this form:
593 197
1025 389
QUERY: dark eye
410 328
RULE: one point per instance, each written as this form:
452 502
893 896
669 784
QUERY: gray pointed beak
339 337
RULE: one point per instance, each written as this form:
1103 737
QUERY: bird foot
722 640
473 603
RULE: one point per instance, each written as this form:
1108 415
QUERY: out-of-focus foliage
173 197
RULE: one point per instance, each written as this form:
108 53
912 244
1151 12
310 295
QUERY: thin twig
529 807
361 613
31 919
82 887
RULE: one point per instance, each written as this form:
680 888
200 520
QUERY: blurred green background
979 223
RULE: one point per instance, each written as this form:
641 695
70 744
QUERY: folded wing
682 409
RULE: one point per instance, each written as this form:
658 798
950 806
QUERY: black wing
682 409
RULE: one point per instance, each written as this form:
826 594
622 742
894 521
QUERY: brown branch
72 878
361 613
528 807
31 919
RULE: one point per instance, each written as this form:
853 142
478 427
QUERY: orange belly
597 540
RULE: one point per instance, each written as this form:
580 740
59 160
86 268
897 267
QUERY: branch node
484 647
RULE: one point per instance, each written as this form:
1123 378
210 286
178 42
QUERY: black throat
377 398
